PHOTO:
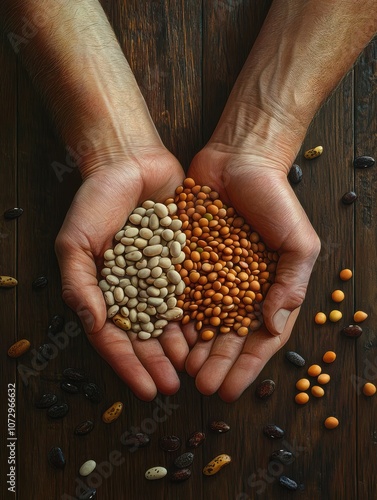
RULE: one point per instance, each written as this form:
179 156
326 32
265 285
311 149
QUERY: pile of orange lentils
227 270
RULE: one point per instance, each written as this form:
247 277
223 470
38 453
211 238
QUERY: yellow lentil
335 316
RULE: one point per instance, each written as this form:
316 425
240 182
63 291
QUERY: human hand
258 189
99 210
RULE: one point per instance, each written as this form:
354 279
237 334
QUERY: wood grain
186 56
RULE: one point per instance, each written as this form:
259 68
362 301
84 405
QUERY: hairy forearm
302 52
74 59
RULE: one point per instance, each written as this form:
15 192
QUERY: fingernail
280 320
87 319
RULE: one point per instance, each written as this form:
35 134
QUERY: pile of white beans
140 282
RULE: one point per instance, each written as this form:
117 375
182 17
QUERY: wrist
267 136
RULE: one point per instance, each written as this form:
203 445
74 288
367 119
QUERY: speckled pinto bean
227 269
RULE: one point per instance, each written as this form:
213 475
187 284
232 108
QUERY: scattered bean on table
331 422
329 357
360 316
369 389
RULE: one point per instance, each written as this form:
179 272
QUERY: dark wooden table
186 56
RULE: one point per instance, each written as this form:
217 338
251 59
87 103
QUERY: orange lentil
188 183
320 318
314 370
194 276
329 357
337 295
303 384
215 321
317 391
345 274
369 389
323 379
331 423
359 316
207 334
301 398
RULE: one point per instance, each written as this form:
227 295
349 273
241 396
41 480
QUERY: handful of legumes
191 258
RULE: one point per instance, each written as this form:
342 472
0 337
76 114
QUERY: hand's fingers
151 355
198 356
259 347
116 348
190 333
224 352
289 289
79 282
174 345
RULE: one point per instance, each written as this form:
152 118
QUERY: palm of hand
99 209
230 363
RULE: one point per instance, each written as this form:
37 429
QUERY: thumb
80 290
289 289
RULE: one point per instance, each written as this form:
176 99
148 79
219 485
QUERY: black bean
39 282
196 439
88 494
219 426
68 387
170 443
184 460
288 483
180 475
56 324
349 198
138 440
46 401
273 431
295 174
56 457
13 213
45 353
363 162
74 375
295 358
58 410
265 389
353 331
283 456
92 392
84 428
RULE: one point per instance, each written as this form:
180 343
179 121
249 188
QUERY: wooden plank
162 42
365 266
8 262
229 31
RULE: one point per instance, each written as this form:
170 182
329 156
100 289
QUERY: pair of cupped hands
258 189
